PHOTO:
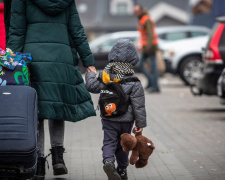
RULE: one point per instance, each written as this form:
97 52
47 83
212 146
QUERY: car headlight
168 54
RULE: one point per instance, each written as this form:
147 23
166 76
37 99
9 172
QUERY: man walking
148 45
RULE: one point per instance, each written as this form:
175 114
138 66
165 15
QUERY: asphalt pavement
188 133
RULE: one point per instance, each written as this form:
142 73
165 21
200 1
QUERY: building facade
102 16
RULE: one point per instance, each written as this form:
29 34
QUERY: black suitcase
18 132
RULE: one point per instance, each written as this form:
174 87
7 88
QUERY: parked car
221 87
214 57
174 33
184 57
102 45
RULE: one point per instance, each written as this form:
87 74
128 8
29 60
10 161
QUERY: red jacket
2 27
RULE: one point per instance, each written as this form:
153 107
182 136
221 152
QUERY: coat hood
52 7
124 51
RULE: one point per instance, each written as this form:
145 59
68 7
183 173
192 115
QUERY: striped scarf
120 69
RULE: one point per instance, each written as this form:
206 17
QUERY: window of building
121 7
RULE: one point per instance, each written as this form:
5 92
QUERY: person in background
52 32
148 45
2 26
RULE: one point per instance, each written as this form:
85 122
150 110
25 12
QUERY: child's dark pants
111 143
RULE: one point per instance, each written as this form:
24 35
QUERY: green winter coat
52 32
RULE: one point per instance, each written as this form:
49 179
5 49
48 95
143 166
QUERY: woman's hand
137 130
92 69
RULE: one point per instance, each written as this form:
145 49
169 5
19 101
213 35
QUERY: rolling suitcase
18 132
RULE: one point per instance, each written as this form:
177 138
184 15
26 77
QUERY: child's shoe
122 173
110 170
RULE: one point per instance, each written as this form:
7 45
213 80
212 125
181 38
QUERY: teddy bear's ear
123 135
128 141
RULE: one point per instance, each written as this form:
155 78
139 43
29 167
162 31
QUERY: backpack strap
133 79
100 80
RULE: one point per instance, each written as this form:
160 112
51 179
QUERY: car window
107 46
134 40
162 36
172 36
197 33
98 41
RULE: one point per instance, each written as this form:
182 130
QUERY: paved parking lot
188 133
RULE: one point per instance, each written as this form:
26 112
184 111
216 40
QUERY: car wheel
189 67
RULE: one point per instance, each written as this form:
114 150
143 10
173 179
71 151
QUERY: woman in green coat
52 32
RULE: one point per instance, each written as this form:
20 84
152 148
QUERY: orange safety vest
143 41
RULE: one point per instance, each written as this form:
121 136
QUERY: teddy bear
141 147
